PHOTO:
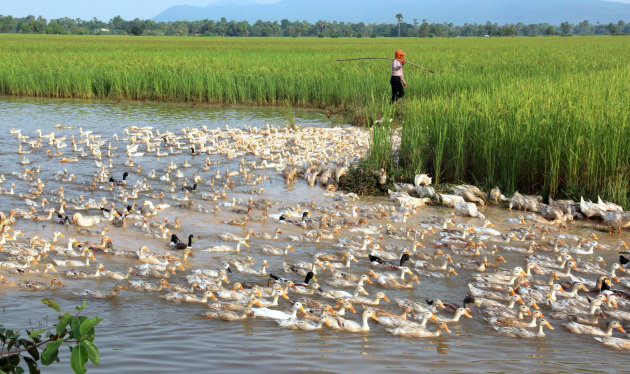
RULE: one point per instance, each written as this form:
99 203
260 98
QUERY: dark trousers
397 88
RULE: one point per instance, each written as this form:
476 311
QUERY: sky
104 10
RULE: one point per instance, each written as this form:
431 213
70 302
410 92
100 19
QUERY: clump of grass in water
290 118
362 180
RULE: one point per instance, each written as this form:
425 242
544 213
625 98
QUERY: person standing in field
398 80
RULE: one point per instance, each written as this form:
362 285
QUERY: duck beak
447 329
284 295
251 262
453 272
374 317
520 300
512 291
624 245
291 249
59 284
491 224
215 298
466 312
355 259
53 269
529 312
385 298
34 261
62 235
167 285
241 288
302 310
352 309
594 236
535 306
615 278
420 245
181 267
434 318
369 281
258 293
550 327
314 278
245 244
92 257
123 287
602 262
258 303
621 329
555 276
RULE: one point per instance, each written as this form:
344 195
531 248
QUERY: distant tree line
223 27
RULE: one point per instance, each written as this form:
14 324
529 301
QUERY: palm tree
400 17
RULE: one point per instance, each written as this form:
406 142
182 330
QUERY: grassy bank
545 115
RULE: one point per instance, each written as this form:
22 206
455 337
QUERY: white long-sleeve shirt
397 69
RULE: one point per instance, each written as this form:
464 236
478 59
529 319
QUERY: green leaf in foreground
92 351
63 322
77 358
51 304
82 306
50 352
76 328
88 324
32 365
36 333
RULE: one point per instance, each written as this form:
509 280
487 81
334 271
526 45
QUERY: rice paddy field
537 115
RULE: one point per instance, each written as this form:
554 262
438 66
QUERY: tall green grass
544 115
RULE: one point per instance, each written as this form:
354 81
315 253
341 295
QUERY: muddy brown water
143 333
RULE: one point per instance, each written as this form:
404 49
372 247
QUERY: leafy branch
75 331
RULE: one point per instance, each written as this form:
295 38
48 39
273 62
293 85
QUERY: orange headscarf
400 55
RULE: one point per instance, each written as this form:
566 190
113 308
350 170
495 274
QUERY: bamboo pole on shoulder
386 58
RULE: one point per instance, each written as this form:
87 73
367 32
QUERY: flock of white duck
522 280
